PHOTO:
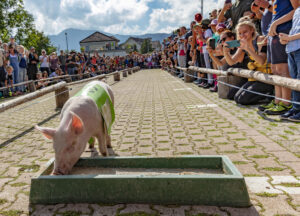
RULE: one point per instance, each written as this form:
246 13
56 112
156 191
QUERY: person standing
22 67
293 49
62 61
281 23
44 59
14 62
32 64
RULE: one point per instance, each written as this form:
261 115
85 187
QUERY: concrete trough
188 180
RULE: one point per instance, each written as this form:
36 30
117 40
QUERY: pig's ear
47 132
76 124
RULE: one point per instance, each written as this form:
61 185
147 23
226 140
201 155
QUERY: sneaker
289 114
295 118
202 84
267 106
279 109
197 82
207 85
214 89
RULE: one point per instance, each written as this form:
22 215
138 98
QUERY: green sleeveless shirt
103 101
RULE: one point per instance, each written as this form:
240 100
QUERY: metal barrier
61 90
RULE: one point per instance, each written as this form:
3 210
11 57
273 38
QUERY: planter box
224 187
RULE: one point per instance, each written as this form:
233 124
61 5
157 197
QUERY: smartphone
212 43
227 1
233 43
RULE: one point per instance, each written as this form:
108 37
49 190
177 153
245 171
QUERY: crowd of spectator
258 35
17 64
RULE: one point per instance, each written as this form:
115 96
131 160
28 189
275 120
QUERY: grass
222 143
230 152
163 141
289 132
179 137
290 184
199 140
185 153
259 156
293 128
240 162
127 143
265 194
19 184
205 148
11 213
273 168
240 139
283 136
145 146
143 154
2 201
249 147
163 149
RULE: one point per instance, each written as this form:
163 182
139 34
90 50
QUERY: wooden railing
61 89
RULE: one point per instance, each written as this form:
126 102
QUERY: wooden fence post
125 73
129 71
188 76
61 96
31 86
117 77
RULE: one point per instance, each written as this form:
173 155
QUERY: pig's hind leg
102 142
108 141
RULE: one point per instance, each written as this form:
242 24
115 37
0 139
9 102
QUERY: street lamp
67 42
202 7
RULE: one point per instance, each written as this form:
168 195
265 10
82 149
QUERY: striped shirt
294 45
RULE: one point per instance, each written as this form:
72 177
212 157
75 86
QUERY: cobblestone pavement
159 115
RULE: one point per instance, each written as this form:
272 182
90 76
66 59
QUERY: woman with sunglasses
255 47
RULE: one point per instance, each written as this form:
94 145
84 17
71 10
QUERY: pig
80 120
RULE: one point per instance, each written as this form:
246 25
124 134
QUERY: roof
137 40
98 37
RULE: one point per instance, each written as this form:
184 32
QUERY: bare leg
285 92
277 88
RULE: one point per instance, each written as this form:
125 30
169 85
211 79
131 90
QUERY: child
9 78
293 50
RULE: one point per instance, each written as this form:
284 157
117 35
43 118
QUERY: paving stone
105 210
171 210
80 208
282 208
132 208
260 185
241 211
209 210
284 179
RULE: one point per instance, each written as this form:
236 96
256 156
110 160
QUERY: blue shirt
281 8
295 44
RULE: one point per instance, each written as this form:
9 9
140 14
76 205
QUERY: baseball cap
213 22
220 26
197 25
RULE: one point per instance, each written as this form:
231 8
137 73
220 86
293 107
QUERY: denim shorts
276 51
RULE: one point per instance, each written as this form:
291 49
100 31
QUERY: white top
45 62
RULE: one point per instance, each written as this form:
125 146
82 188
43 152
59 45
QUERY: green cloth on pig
103 101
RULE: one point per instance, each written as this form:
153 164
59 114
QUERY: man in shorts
281 23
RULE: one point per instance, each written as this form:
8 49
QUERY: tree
14 18
134 48
146 46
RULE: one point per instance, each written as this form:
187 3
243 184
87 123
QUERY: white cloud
180 12
115 16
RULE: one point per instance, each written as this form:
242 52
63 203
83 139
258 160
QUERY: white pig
81 119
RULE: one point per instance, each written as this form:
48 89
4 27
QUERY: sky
133 17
